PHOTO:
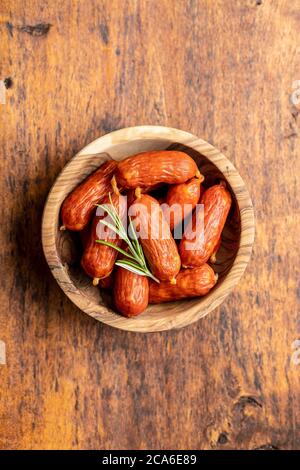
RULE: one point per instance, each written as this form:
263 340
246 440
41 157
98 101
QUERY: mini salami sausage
148 169
194 282
77 209
196 248
155 236
130 292
181 200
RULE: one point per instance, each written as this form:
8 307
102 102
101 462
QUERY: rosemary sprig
135 260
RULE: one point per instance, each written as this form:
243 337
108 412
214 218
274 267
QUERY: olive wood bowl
63 249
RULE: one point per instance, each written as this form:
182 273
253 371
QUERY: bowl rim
209 302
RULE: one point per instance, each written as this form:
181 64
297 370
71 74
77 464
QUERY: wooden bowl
62 249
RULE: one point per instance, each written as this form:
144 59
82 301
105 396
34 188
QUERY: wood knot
222 439
40 29
8 83
247 400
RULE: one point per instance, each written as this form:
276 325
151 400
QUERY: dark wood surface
223 70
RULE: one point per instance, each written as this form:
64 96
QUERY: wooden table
225 71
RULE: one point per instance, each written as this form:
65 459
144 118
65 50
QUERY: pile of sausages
182 272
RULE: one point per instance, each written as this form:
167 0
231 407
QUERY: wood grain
224 71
